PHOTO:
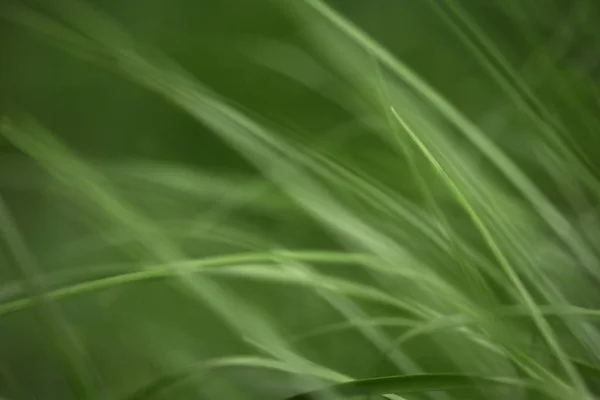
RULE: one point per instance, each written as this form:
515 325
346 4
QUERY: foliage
299 199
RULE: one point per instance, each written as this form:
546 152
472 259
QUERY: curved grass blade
228 266
451 321
354 323
407 384
169 380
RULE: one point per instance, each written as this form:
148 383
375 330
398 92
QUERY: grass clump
403 208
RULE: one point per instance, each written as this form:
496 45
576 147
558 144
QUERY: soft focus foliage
277 198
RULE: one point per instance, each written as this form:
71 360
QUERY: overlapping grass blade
407 384
509 224
271 155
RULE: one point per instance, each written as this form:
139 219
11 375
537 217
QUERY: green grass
296 201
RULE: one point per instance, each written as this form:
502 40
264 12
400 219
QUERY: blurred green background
208 198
